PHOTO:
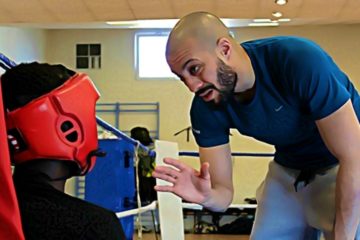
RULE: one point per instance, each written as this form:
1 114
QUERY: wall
22 45
116 81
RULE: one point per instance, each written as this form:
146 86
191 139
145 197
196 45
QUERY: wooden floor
151 236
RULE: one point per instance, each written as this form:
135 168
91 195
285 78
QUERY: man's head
50 114
201 52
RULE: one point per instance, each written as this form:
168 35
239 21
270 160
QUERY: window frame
89 56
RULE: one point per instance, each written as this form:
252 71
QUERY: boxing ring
171 225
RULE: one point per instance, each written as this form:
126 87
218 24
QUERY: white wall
22 45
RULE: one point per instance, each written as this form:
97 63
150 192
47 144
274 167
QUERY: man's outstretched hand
186 182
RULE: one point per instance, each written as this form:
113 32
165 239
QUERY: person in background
285 91
52 132
146 166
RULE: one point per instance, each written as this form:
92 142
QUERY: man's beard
227 79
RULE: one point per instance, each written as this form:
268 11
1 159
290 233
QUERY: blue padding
111 184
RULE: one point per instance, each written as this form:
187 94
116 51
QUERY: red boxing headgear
59 125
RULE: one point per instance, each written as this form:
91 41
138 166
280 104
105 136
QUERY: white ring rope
151 206
138 220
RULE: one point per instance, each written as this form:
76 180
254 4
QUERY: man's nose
194 84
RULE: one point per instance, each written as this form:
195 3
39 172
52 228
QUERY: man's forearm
347 200
219 199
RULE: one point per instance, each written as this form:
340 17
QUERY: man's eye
194 69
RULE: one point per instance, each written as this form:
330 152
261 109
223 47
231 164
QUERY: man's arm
341 134
222 190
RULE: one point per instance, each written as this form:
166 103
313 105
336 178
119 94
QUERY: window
150 61
88 56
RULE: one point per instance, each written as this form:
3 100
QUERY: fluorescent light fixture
235 22
284 20
263 24
170 23
277 14
121 23
281 2
163 23
262 20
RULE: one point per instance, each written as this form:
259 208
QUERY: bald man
285 91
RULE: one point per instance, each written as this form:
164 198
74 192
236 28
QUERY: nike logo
278 108
196 131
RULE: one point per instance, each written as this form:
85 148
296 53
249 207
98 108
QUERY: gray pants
284 214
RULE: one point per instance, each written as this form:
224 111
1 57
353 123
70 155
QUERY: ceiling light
284 19
263 24
277 14
235 22
261 20
165 23
169 23
281 2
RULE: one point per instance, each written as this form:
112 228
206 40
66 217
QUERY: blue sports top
296 83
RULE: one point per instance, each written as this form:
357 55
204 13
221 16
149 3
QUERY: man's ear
224 47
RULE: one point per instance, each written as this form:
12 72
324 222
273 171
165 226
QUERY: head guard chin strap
59 125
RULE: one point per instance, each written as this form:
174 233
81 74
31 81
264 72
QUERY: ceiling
94 13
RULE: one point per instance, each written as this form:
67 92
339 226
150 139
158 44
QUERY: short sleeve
209 125
314 78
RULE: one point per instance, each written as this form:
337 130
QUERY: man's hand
189 184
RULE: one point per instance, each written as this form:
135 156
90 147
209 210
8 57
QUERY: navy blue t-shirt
296 83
